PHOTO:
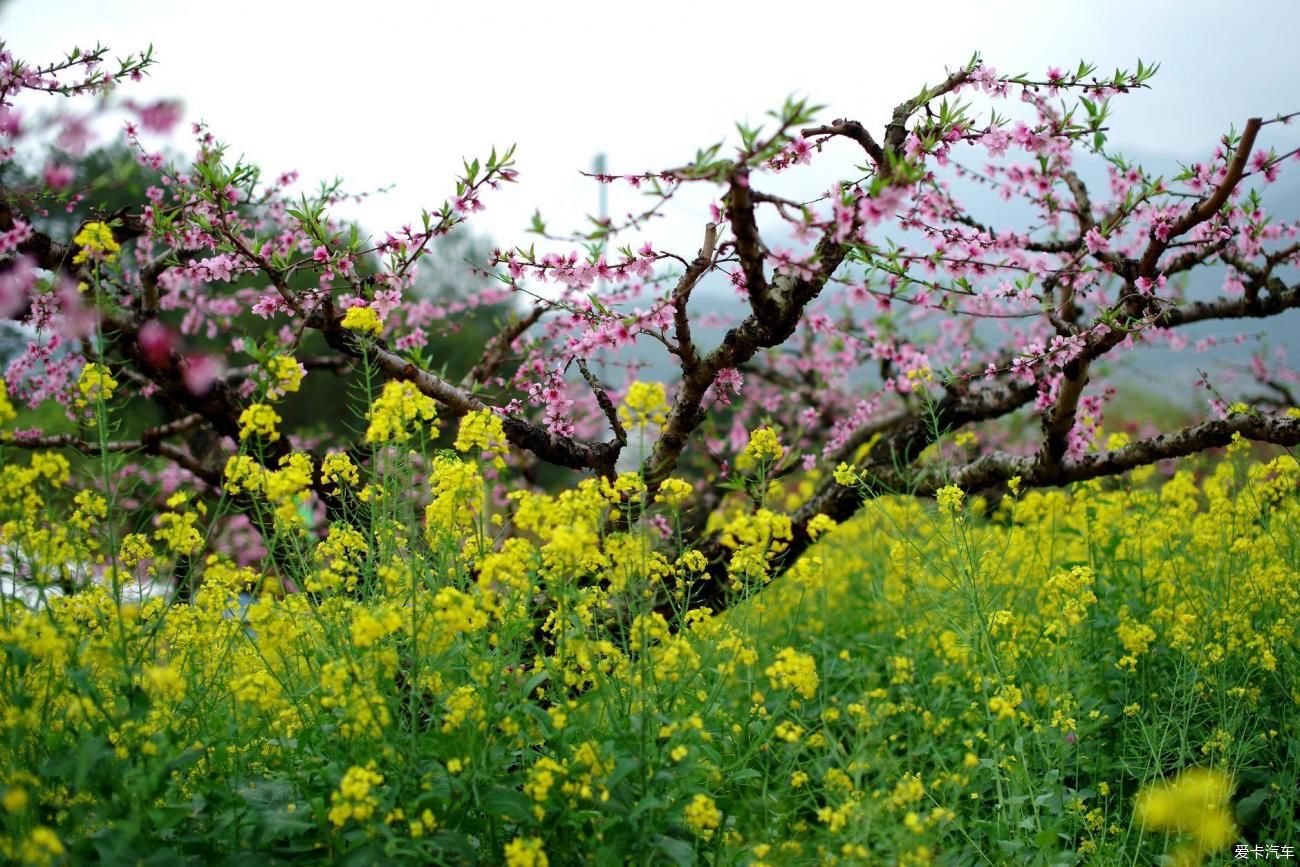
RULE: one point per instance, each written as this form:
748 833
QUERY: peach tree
874 334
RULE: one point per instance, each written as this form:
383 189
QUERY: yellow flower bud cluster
794 671
96 242
95 383
363 319
355 799
259 420
646 404
764 447
483 430
702 816
398 412
7 412
949 498
286 375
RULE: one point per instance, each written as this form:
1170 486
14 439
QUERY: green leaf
1249 807
1046 838
645 805
508 804
621 770
679 852
281 823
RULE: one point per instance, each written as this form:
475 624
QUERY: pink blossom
551 394
74 136
996 140
1265 162
199 372
77 320
10 122
1148 287
10 240
986 78
468 203
270 304
58 177
914 147
16 284
729 379
156 342
844 216
1232 284
799 150
738 436
160 116
386 301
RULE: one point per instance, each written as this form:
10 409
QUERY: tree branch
606 405
682 295
749 247
1207 207
498 349
995 469
858 133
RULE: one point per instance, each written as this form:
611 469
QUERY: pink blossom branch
896 131
1208 206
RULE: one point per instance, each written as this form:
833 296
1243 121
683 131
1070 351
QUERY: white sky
383 92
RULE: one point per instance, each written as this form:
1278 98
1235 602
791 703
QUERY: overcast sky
396 93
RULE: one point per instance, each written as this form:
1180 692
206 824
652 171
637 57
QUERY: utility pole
599 166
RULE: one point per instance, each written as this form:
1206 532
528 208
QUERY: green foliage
972 683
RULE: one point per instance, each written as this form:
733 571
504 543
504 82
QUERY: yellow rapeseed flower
846 475
362 319
15 799
674 492
7 412
794 670
646 403
820 524
286 375
354 798
338 468
764 447
259 419
95 383
96 242
42 846
483 430
525 852
398 412
702 816
949 498
1194 804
